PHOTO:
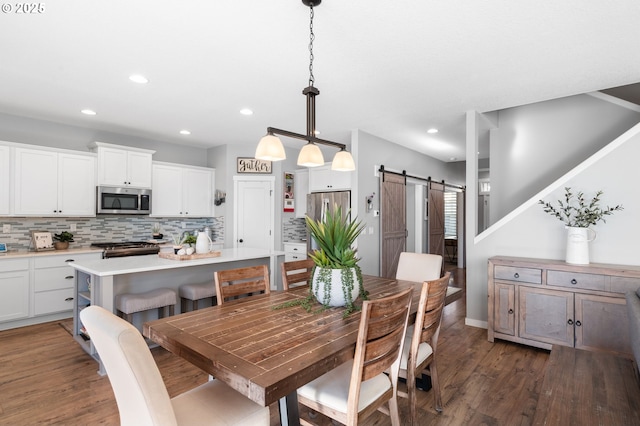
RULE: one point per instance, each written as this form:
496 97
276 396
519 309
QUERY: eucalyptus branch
576 212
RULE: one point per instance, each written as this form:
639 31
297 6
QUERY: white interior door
254 212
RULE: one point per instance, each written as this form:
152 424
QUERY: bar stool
129 303
196 292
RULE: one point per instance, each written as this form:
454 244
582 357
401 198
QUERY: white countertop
13 254
152 262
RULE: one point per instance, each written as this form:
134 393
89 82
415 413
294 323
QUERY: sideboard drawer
512 273
576 280
624 284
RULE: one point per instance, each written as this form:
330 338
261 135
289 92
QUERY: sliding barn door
436 218
393 227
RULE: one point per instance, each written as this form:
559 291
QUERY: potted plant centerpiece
62 240
337 278
577 215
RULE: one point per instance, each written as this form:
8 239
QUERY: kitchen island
97 282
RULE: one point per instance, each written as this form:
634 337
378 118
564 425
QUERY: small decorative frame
252 165
41 240
3 248
289 203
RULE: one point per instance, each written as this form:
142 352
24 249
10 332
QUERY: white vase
578 240
336 297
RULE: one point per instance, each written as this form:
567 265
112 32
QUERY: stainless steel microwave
123 200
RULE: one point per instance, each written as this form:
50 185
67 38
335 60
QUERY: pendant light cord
312 37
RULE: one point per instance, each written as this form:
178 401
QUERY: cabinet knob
510 311
240 240
574 281
578 323
570 322
516 275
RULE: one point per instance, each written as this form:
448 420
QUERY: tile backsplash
104 228
294 229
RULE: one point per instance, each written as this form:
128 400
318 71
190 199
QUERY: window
450 211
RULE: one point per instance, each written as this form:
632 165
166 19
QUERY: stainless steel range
127 248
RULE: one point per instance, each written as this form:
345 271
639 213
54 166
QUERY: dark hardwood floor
46 378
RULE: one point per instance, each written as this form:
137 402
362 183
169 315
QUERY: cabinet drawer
53 278
14 265
295 248
289 257
53 301
576 280
57 261
512 273
624 284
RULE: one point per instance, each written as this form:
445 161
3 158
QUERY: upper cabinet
5 182
54 183
324 179
123 166
182 191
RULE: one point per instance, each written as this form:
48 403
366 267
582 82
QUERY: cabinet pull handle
510 311
570 322
516 275
574 281
68 277
69 260
578 323
68 299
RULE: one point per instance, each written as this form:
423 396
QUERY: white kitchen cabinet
182 191
53 282
295 251
123 166
300 191
14 289
52 183
324 179
5 182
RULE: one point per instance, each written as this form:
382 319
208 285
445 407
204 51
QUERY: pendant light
270 147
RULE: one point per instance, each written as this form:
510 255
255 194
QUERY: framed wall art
289 202
252 165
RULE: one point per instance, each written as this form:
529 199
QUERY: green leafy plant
155 229
177 239
190 239
64 236
575 211
335 237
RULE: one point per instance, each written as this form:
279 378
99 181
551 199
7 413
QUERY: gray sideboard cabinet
541 302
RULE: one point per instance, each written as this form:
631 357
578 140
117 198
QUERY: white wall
47 133
535 144
369 151
529 232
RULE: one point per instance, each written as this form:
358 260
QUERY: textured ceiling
390 68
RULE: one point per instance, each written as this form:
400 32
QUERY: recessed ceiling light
137 78
185 132
246 111
88 112
432 130
452 159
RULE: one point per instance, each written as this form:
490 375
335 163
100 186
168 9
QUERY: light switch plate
6 228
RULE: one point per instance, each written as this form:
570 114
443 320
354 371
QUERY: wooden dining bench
588 388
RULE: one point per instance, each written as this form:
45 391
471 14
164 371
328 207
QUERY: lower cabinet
543 303
14 289
44 282
295 251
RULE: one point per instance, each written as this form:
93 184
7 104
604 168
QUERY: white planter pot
578 240
336 297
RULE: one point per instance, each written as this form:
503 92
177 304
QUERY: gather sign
252 165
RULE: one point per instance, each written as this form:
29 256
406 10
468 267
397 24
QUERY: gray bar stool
129 303
196 292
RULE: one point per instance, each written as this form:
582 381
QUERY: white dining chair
419 267
141 394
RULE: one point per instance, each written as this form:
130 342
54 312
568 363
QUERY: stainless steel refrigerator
319 203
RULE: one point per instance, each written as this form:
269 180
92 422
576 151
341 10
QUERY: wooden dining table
264 353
